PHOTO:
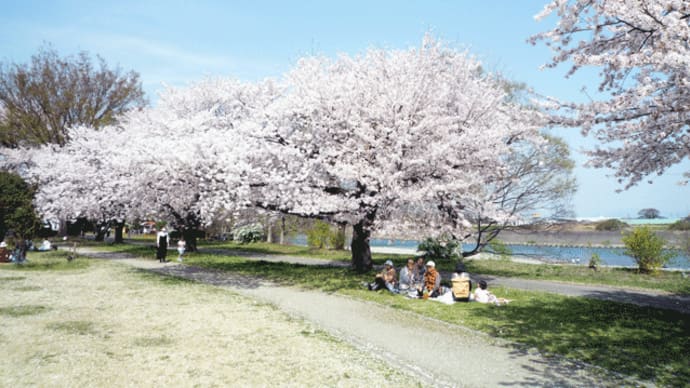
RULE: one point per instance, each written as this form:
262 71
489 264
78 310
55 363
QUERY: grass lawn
625 277
107 324
670 281
637 341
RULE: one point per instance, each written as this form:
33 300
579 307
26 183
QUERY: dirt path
438 353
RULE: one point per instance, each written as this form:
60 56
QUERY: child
181 246
482 295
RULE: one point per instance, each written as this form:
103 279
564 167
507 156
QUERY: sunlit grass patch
73 327
22 310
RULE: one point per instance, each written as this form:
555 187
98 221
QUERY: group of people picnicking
418 279
18 254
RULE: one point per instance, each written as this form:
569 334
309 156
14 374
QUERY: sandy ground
111 325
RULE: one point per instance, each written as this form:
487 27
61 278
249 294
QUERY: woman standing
162 240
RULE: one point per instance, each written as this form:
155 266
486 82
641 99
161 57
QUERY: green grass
73 327
638 341
290 250
22 311
48 261
153 341
624 277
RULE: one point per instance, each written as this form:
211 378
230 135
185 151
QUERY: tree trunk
282 230
361 253
190 239
269 231
101 230
62 227
119 226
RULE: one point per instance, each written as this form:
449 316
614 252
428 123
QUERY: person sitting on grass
408 281
45 246
385 279
432 282
482 295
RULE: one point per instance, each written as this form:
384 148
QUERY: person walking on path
162 240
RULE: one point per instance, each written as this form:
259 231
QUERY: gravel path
444 354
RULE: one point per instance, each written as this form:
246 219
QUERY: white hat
388 262
430 263
3 244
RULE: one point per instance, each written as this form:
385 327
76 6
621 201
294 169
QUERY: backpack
462 288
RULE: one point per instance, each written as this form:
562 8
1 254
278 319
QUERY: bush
683 224
248 233
337 239
646 248
595 261
440 249
499 247
610 225
319 235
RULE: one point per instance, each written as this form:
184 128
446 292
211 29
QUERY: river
551 254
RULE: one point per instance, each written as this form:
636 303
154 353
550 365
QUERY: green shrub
319 235
646 248
595 261
499 247
683 224
248 233
610 225
337 239
440 249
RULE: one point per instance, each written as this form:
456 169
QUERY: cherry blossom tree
539 178
181 161
84 178
358 139
202 169
642 50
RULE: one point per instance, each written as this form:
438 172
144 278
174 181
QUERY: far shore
584 239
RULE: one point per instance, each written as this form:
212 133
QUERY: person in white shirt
181 247
482 295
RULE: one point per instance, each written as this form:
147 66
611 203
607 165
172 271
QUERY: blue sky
176 42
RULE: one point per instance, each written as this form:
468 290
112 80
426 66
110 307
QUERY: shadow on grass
22 311
642 342
52 261
646 343
326 278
